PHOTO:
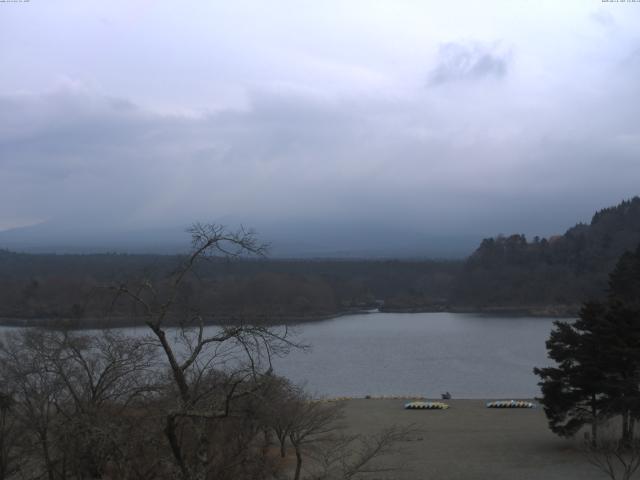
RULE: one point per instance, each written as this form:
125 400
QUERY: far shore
131 322
469 441
559 311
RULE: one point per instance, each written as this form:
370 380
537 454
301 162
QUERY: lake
426 354
471 356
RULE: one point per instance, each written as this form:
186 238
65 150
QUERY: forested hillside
556 272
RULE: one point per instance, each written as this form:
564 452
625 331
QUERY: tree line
71 287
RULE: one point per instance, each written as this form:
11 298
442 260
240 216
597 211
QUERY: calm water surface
471 356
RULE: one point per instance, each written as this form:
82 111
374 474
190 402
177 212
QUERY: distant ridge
294 238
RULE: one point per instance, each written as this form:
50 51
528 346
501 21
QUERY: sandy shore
469 441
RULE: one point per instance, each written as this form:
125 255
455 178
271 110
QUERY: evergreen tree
574 393
597 375
621 335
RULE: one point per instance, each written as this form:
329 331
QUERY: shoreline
559 311
134 322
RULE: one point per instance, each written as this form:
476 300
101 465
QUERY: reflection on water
471 356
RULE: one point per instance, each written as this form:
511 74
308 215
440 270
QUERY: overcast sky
458 117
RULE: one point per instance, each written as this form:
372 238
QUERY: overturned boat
510 404
426 406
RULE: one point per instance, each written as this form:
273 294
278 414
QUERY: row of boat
443 406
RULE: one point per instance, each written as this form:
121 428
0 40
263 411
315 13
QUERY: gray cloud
116 123
76 155
470 61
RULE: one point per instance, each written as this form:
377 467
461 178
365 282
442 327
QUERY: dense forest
507 273
82 286
555 274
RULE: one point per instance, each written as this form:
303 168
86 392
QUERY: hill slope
557 272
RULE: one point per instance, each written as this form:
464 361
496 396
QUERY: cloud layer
469 127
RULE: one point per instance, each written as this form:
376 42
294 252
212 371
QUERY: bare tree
210 370
311 422
618 459
282 402
9 436
104 375
185 401
318 436
37 392
70 392
355 456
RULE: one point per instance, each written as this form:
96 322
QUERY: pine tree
574 393
597 375
623 340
